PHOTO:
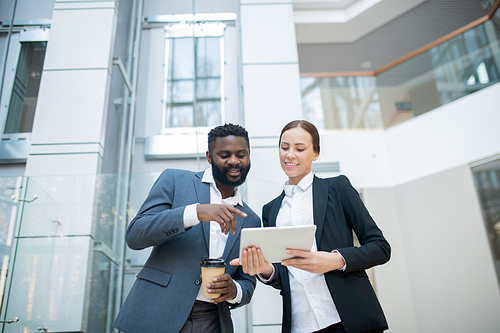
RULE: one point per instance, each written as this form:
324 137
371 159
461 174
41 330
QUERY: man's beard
221 174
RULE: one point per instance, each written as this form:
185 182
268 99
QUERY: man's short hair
226 130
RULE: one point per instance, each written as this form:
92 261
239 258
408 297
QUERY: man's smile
234 172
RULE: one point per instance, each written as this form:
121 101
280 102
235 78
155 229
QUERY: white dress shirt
217 238
312 305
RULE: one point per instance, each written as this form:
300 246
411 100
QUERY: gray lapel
320 200
231 239
203 197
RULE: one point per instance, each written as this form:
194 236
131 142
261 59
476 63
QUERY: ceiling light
486 4
366 64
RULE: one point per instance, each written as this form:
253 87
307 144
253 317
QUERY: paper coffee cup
211 268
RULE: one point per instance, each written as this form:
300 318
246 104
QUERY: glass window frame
26 34
196 31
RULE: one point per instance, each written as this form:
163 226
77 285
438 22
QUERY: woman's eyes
299 149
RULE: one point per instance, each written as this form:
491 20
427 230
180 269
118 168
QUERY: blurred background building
98 97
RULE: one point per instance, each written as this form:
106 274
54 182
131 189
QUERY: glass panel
458 67
208 57
351 102
209 113
182 91
25 91
109 224
208 88
107 214
9 187
487 181
68 283
101 302
181 116
28 297
182 57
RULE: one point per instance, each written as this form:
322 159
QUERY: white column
271 98
68 130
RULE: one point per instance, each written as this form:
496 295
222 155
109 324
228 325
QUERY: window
193 86
487 182
25 89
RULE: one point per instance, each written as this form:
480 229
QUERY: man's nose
233 160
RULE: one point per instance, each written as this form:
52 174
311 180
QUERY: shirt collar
303 184
209 179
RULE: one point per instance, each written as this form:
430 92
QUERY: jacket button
197 282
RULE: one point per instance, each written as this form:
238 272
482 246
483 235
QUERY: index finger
237 211
235 262
298 253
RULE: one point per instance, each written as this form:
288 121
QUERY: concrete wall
437 234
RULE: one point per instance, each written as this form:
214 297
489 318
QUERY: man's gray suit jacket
166 288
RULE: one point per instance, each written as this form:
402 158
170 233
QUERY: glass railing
61 242
453 69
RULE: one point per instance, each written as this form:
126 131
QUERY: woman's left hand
314 262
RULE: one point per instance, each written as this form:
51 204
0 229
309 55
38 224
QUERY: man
188 216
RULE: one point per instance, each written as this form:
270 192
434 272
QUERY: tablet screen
273 241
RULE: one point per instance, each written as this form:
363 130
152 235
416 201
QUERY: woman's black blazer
338 211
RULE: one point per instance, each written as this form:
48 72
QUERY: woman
327 289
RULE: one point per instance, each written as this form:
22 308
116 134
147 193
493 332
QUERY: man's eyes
226 156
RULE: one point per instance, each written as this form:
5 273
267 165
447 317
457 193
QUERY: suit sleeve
247 284
374 249
156 221
246 281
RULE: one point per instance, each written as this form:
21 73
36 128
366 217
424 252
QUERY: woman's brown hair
308 127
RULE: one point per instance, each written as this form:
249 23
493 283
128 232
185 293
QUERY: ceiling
361 35
319 22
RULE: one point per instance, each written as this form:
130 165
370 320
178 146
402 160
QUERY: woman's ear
316 155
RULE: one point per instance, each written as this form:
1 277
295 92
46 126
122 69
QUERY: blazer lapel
203 195
273 214
231 239
320 200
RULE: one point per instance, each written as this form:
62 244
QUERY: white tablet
273 241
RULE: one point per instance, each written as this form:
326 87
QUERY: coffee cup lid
213 263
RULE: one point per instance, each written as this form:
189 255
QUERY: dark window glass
487 181
25 91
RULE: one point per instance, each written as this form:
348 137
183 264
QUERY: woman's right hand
253 263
